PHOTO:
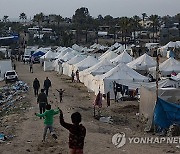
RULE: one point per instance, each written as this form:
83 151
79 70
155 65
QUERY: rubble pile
12 93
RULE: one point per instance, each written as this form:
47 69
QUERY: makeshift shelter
122 58
148 100
5 65
120 73
144 62
170 54
167 67
69 65
166 114
86 63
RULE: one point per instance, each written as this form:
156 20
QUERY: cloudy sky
66 8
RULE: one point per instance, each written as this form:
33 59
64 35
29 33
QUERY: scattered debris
11 93
106 120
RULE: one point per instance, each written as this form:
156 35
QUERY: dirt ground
28 129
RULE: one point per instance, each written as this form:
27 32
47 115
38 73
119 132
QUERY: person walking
48 116
60 91
77 132
42 101
47 84
77 76
31 67
72 76
36 86
14 66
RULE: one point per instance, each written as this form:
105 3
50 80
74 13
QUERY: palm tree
135 25
39 18
124 25
5 18
22 16
144 15
177 17
155 24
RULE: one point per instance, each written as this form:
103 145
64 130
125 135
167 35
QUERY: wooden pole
157 75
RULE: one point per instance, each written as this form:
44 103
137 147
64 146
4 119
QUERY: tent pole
157 75
157 86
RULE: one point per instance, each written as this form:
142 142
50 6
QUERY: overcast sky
66 8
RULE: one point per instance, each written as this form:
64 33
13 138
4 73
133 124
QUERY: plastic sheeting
166 114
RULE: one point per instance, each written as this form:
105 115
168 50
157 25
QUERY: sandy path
98 140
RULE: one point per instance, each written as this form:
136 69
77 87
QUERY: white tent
144 62
86 63
167 67
58 62
49 55
67 56
100 68
110 55
172 45
120 73
122 58
120 49
68 66
77 47
48 59
63 52
5 65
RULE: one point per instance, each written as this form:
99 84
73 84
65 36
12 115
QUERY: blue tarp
38 54
166 114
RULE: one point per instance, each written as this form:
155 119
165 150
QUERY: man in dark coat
36 86
47 84
42 101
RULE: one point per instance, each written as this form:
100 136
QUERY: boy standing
48 120
61 91
77 132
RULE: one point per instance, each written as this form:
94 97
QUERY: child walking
48 120
77 133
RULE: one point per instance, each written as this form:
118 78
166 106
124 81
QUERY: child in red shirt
77 133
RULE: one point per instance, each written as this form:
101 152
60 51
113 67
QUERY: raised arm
63 123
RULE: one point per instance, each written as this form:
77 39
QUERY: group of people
46 86
77 131
73 76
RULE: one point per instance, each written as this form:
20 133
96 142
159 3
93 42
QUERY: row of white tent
99 74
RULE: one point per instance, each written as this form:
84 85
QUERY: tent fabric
110 55
38 54
48 65
122 58
144 62
170 54
166 114
63 52
68 66
99 68
167 67
49 55
119 73
67 56
86 63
